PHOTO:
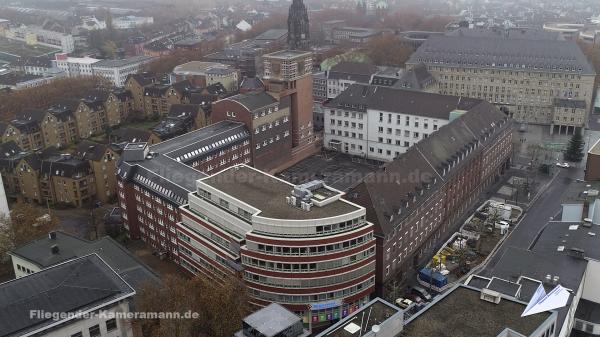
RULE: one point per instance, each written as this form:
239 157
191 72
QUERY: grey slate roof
253 100
360 97
510 33
353 71
74 286
252 84
168 174
503 53
57 166
382 193
70 247
88 150
417 78
273 34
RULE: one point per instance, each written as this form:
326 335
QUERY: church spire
298 29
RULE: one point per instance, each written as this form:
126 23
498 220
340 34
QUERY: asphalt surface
547 206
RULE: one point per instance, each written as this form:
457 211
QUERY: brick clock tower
298 27
288 73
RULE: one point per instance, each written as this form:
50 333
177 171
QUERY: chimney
52 235
54 249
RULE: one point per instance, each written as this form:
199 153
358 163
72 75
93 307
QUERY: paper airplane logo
540 301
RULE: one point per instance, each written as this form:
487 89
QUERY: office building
416 200
381 123
153 181
33 35
117 71
301 246
530 78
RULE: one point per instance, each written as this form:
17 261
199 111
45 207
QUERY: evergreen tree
574 151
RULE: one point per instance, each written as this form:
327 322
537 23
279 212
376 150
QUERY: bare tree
220 307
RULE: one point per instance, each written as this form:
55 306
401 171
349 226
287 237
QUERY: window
95 331
111 324
78 334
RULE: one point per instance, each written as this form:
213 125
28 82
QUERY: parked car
416 299
422 293
563 165
404 303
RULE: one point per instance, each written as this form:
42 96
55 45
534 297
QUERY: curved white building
300 246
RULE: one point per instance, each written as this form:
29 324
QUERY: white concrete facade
76 66
375 134
105 326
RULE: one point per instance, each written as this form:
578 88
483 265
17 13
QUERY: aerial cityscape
296 168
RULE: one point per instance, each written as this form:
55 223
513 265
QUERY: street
548 205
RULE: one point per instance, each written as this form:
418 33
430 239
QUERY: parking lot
337 170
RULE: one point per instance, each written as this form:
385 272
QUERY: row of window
311 282
308 267
94 331
280 298
311 250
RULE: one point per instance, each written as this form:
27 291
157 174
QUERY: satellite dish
375 328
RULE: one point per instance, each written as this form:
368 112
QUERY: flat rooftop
267 193
461 313
18 49
198 67
561 237
337 170
376 312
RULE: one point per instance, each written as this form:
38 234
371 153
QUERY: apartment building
91 115
9 152
59 126
203 74
154 181
416 200
20 173
136 84
118 105
300 246
33 35
117 71
529 78
84 285
102 159
182 118
25 130
67 180
381 123
158 98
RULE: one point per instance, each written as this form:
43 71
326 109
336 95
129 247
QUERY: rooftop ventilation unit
490 296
